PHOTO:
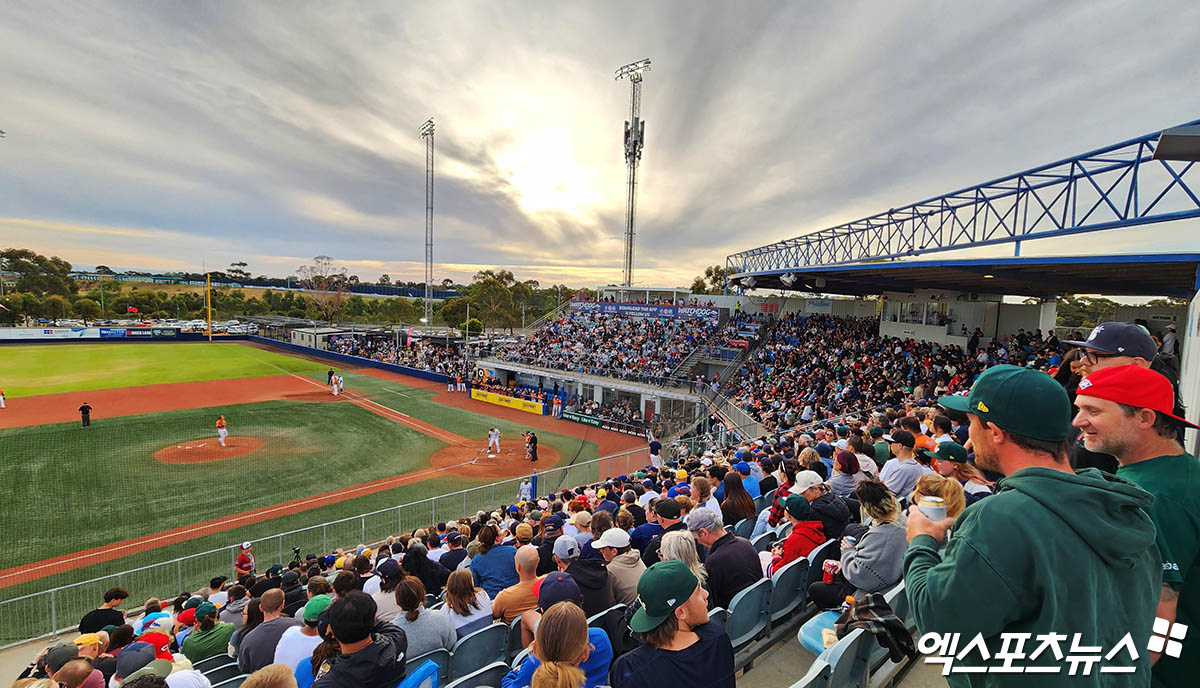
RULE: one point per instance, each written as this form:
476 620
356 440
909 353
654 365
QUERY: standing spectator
1127 412
517 599
106 614
426 630
372 652
244 564
494 568
624 564
210 637
656 453
257 648
681 646
468 607
1016 544
732 563
298 642
738 504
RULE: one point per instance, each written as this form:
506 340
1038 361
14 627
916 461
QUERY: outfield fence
57 610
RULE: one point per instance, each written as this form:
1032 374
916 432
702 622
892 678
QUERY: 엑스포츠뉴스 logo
1167 638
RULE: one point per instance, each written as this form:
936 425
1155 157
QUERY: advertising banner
602 424
818 306
112 332
165 331
511 402
49 333
639 310
138 333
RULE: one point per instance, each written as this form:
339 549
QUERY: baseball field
148 481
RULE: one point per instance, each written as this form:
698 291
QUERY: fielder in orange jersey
1 397
222 433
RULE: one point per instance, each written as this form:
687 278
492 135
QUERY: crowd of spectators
662 540
611 345
419 354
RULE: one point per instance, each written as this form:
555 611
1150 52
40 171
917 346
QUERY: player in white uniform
222 433
1 397
524 490
494 440
341 384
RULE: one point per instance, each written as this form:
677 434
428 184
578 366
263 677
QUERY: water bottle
849 602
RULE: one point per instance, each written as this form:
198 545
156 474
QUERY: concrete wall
1156 317
1015 316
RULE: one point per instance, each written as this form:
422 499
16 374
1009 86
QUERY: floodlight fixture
633 70
787 278
1179 143
748 281
427 128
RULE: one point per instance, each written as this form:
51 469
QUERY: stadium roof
1173 274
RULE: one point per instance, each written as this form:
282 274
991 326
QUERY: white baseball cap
246 545
613 537
806 480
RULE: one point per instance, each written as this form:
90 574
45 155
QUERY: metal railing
50 612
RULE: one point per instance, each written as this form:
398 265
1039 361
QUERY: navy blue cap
1120 339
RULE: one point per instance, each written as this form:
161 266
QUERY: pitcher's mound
208 449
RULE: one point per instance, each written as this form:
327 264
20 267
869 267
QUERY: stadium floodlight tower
427 134
635 135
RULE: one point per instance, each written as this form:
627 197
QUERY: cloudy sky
168 135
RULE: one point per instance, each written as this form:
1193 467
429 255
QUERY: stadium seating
490 675
440 657
748 614
223 672
521 656
426 675
787 590
762 543
233 682
210 663
514 638
743 528
479 649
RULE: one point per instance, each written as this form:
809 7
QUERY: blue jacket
495 570
643 534
595 668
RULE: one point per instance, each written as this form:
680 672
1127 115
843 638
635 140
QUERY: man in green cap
680 646
1052 552
211 637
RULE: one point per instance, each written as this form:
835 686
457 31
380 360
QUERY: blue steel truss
1110 188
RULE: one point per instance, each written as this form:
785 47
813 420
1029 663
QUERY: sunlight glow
546 177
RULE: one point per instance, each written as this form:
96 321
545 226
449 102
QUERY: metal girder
1111 188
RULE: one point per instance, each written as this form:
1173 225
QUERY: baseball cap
663 588
613 537
524 532
187 617
668 509
806 480
876 431
903 437
554 524
1133 386
318 603
161 642
555 587
193 602
246 545
389 568
566 547
1019 400
946 451
87 640
454 538
290 577
59 655
156 667
205 610
134 656
742 467
681 474
583 518
797 506
1120 339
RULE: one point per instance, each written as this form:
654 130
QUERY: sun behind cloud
546 176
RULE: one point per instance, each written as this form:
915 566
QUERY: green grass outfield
50 369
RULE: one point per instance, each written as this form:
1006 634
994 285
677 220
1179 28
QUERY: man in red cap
1126 411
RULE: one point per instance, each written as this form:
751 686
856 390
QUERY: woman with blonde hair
272 676
680 545
810 460
950 460
702 492
934 485
468 607
561 645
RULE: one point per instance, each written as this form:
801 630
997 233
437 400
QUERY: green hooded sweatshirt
1049 552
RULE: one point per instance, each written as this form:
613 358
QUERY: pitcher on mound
222 433
494 440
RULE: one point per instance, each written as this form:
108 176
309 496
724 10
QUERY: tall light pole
635 133
427 134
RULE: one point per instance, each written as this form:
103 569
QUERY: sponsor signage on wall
641 310
601 423
54 333
818 306
511 402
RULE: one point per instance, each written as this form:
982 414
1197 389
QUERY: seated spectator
748 480
294 595
273 579
669 516
252 616
298 642
846 474
951 460
900 474
417 563
77 673
644 534
732 563
681 646
807 534
106 614
875 560
557 590
271 676
517 599
234 611
390 573
624 564
210 637
426 630
590 575
256 649
948 489
682 546
372 652
468 607
738 504
493 568
94 647
455 552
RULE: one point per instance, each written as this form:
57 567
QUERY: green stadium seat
479 649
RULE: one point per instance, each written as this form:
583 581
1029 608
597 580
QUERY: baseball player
341 382
1 397
462 383
222 433
494 440
334 385
85 415
449 383
532 443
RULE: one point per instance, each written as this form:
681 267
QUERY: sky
181 135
